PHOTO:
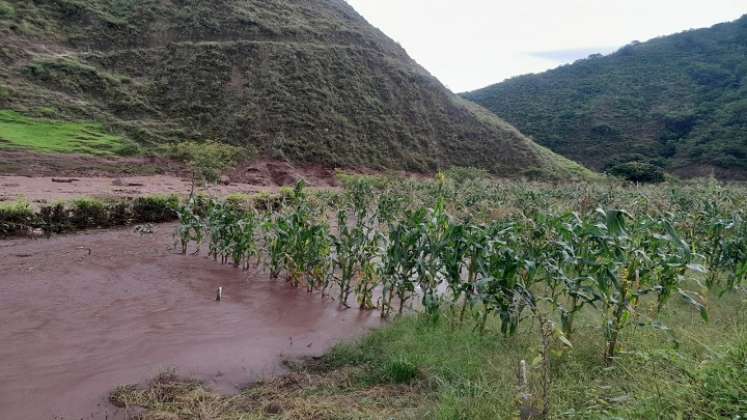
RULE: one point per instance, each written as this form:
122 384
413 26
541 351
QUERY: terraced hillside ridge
307 81
678 101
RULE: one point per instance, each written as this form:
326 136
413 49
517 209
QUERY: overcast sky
469 44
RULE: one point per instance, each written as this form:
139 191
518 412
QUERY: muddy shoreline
261 176
86 312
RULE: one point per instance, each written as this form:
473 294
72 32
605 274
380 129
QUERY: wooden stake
219 297
526 409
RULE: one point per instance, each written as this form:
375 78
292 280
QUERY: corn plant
648 257
299 244
430 267
500 289
356 248
405 243
276 233
618 280
508 251
573 263
355 245
191 226
243 244
725 248
221 222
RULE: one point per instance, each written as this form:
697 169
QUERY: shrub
265 201
4 93
120 213
127 149
208 159
54 218
15 217
155 209
461 175
88 212
47 112
638 172
7 11
17 210
239 201
379 182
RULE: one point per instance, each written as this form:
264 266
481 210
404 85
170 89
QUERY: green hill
678 101
307 81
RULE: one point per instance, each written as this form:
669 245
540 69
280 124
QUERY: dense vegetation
678 102
21 219
306 81
607 269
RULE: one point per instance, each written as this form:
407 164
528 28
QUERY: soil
84 313
30 164
48 185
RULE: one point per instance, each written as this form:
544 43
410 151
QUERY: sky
469 44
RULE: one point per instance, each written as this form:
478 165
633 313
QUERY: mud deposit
81 314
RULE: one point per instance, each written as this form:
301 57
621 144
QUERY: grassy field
49 136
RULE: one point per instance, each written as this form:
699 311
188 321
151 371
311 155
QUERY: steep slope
308 81
678 101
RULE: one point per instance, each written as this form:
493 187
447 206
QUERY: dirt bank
247 179
29 164
43 190
84 313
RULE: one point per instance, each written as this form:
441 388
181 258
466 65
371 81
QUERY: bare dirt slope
85 313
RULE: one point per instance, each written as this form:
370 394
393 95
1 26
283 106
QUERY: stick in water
219 297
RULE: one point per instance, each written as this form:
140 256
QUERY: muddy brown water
84 313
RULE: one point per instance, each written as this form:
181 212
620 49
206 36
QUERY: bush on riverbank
20 219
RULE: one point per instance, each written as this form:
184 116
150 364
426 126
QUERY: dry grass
305 393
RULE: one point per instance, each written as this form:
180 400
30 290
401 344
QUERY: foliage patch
52 136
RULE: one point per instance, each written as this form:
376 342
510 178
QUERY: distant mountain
678 101
307 81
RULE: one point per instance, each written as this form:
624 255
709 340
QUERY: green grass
51 136
420 368
700 375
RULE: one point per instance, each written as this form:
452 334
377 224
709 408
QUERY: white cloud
472 43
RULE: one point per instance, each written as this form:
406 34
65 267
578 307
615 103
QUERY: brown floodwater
81 314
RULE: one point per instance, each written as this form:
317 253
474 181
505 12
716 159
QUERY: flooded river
81 314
